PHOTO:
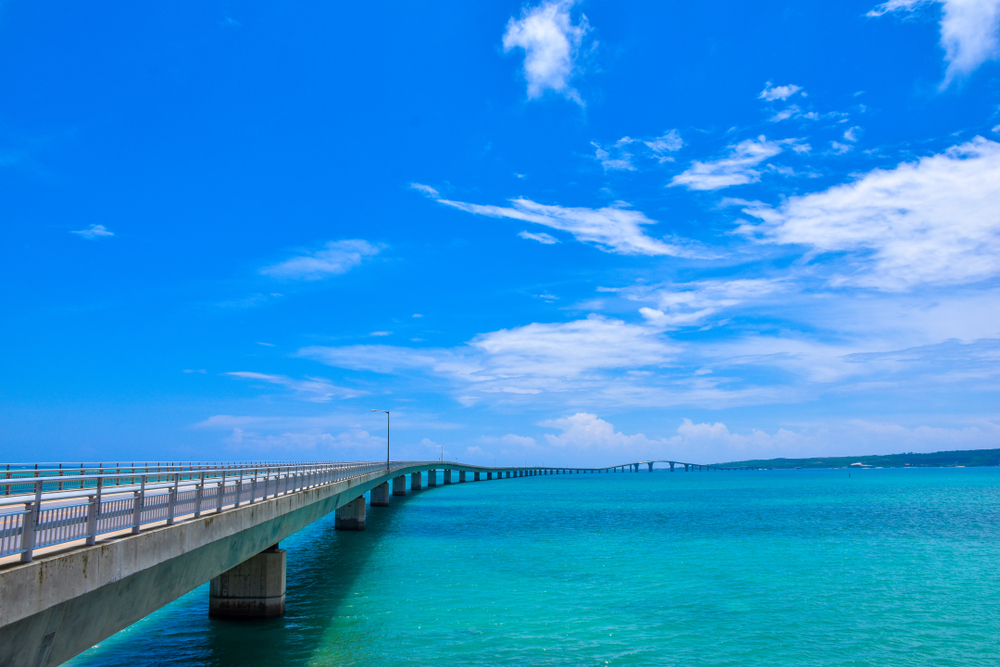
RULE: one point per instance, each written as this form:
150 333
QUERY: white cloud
425 190
970 31
551 43
772 92
621 161
934 221
619 156
335 258
737 169
93 232
314 390
615 229
547 239
666 143
584 430
519 361
840 148
380 333
852 134
690 304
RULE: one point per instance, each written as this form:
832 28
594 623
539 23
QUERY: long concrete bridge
88 549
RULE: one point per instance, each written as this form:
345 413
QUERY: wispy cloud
691 304
615 229
519 361
933 221
735 169
335 258
620 155
93 232
772 92
970 31
541 237
551 43
314 390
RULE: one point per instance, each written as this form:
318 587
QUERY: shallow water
802 567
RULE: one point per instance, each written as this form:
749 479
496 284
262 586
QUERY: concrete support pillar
351 516
447 477
461 476
650 464
432 478
415 481
475 476
380 495
399 485
253 589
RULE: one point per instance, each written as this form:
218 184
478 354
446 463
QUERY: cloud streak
735 169
93 232
616 229
335 258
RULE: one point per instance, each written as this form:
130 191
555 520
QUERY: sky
556 233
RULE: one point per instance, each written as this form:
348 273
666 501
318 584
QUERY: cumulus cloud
335 258
93 232
934 221
314 390
551 43
970 31
736 169
772 92
546 239
615 229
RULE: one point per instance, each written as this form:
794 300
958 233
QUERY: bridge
87 549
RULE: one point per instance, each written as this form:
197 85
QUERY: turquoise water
885 567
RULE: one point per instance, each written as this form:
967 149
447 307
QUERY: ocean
797 567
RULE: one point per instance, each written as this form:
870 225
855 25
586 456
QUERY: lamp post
387 418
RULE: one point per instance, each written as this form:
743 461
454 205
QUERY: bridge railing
99 504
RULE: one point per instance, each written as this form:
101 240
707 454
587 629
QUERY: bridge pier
650 464
351 516
461 476
253 589
380 495
671 466
475 476
447 477
414 481
432 478
399 485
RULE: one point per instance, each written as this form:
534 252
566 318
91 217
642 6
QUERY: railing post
94 513
198 493
92 520
239 489
29 524
140 499
172 501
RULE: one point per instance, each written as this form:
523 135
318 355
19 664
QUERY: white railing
66 508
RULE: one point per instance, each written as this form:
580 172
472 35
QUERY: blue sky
559 233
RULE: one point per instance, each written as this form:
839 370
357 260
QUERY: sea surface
798 567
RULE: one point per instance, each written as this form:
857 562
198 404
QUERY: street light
386 436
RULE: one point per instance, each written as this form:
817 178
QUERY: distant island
966 458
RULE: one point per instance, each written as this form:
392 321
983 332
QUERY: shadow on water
323 566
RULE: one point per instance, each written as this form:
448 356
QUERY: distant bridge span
88 549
